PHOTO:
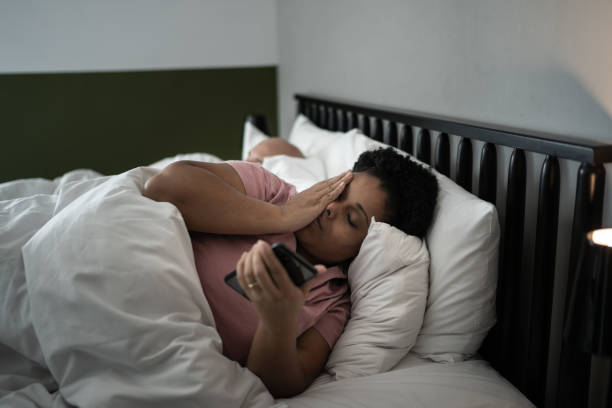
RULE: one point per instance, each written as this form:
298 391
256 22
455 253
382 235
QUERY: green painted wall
111 122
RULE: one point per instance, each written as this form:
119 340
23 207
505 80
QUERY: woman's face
337 233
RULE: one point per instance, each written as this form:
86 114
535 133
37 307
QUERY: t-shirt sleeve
331 324
261 184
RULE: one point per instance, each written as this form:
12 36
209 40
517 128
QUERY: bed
69 337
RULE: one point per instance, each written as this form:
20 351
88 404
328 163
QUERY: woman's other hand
306 206
285 364
267 284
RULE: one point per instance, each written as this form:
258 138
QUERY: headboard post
575 366
390 137
442 160
487 180
364 124
405 139
464 164
424 146
377 131
542 285
510 266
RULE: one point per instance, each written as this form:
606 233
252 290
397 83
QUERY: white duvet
101 303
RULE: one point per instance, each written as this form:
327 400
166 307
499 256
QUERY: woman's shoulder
261 184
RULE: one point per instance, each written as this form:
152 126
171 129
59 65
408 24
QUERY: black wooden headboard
518 346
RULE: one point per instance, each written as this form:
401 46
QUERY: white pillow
251 137
388 281
463 244
342 153
203 157
309 138
301 172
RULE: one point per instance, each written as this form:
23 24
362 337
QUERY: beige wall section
542 65
120 35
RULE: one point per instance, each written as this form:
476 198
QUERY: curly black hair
412 189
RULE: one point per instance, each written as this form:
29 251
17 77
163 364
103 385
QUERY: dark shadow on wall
111 122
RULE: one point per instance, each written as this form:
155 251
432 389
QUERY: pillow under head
388 281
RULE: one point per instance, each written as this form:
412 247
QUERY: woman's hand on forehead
306 206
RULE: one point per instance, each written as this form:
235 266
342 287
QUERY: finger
322 186
346 178
249 273
335 193
335 179
341 175
251 284
331 182
262 275
277 271
240 272
267 283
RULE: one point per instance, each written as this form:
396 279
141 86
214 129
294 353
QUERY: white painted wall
542 65
94 35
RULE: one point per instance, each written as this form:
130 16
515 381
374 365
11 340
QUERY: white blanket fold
109 290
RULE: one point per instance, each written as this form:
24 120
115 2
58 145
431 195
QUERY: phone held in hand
298 268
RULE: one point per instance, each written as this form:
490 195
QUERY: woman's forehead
366 190
365 183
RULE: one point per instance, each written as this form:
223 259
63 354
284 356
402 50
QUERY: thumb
320 268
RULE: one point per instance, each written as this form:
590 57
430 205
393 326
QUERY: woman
235 209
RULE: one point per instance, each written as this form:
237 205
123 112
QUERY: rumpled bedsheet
100 301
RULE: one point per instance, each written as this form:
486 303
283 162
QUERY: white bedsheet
417 383
81 340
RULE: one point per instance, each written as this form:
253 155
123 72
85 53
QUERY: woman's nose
331 209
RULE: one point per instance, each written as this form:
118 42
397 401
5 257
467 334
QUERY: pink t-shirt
327 305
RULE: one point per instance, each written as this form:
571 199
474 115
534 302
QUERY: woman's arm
286 366
211 198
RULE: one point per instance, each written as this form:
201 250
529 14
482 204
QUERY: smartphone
299 269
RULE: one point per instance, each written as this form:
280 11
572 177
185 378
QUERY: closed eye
348 214
348 218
